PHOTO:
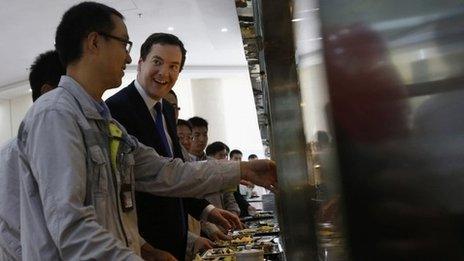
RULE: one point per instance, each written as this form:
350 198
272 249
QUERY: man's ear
45 88
91 42
139 64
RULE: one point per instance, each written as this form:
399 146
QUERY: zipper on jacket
115 184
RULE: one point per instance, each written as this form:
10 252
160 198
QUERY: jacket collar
89 106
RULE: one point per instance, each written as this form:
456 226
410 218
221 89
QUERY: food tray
258 216
218 252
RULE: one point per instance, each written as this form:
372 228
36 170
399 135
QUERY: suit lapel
145 122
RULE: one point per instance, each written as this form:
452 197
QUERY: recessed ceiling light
224 30
170 28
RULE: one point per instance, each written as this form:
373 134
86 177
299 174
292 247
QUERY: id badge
127 201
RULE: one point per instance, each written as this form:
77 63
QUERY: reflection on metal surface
321 149
395 72
277 60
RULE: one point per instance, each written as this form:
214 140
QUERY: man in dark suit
141 109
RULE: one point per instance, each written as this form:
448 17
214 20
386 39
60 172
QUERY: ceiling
209 30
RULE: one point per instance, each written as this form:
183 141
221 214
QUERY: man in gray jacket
79 167
44 76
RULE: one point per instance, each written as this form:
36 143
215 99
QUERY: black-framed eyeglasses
127 42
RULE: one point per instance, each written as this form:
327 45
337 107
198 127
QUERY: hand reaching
260 172
224 219
202 244
152 254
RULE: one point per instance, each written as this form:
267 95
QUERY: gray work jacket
10 245
71 178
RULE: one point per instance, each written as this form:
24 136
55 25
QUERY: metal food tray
274 252
274 232
257 217
256 232
210 253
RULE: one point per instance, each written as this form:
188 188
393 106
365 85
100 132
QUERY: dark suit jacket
162 220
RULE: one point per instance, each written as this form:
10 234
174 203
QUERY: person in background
236 155
252 157
44 76
143 110
197 150
78 167
45 73
245 208
218 151
225 200
171 97
184 129
199 138
257 191
184 133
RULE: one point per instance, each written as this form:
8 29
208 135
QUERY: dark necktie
164 141
160 128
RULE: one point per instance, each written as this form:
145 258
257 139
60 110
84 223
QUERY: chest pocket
99 175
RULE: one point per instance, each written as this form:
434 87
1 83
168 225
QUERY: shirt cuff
141 241
190 249
205 213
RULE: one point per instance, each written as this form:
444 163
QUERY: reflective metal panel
288 147
395 72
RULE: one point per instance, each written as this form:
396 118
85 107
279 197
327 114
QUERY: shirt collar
147 99
201 157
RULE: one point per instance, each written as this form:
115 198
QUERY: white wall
5 120
242 126
208 99
228 106
12 112
183 90
19 107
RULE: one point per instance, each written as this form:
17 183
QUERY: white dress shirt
151 108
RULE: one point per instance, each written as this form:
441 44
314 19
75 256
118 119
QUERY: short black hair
46 69
163 38
181 122
77 23
235 152
173 93
252 156
216 147
198 122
